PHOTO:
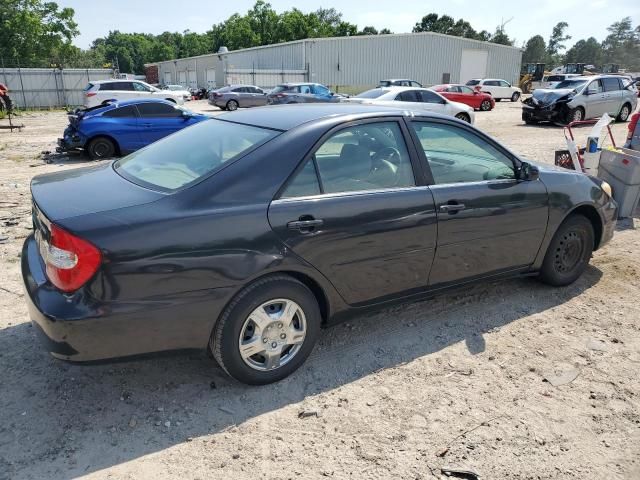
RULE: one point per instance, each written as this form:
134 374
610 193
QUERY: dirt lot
457 380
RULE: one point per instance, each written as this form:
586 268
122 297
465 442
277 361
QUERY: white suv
498 88
96 93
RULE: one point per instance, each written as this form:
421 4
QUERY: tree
368 31
587 51
622 45
535 50
34 32
501 37
556 42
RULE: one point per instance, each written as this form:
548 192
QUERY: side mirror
528 172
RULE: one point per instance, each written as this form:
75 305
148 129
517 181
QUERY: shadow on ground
60 420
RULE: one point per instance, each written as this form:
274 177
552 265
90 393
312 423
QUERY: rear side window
122 86
107 86
408 96
611 84
122 112
304 184
88 87
153 109
191 154
304 89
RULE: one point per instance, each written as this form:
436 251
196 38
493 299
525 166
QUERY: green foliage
461 28
587 51
622 45
32 31
535 50
556 42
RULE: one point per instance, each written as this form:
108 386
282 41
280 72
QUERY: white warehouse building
348 64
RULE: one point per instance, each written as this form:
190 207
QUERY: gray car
288 93
234 96
582 98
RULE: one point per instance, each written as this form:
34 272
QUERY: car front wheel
625 111
569 252
267 331
485 106
464 117
515 97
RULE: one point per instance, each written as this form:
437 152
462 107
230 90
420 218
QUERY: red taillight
91 94
70 261
280 95
217 95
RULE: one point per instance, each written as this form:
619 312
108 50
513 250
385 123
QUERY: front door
355 212
488 220
596 101
157 120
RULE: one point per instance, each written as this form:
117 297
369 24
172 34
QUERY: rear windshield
573 84
88 87
473 82
384 83
280 88
191 154
373 93
555 78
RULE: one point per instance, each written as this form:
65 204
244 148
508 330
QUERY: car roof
109 80
286 117
295 84
138 101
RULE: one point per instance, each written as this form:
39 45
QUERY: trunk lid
83 191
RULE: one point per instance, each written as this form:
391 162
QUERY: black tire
530 121
101 148
485 106
497 99
464 117
515 97
569 252
624 114
224 341
575 115
232 105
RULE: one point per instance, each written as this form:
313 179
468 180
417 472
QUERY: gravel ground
458 380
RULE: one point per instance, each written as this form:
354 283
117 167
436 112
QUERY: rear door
488 220
123 124
157 120
358 210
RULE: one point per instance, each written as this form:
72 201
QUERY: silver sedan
234 96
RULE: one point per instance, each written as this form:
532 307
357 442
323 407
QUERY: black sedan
247 233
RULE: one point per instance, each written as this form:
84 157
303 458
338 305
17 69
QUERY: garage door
193 79
211 77
182 78
167 78
473 65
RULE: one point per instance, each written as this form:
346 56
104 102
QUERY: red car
463 94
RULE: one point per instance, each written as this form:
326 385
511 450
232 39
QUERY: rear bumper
79 328
71 140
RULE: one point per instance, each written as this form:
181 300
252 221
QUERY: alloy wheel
273 334
464 117
485 106
624 113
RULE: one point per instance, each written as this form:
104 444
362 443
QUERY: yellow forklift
531 72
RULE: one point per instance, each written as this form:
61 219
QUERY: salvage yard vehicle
233 97
399 82
180 90
414 99
247 233
101 91
499 89
582 98
288 93
467 95
118 128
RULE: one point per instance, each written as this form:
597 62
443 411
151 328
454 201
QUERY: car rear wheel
515 97
625 111
267 331
232 105
464 117
569 252
100 148
485 106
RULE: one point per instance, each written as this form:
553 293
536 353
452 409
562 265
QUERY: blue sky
585 17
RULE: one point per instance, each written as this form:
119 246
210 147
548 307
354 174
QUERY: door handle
452 207
305 224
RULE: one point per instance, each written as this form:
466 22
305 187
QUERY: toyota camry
248 233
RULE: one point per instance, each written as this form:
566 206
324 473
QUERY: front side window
191 154
139 87
364 157
427 96
320 90
466 90
595 87
457 155
504 84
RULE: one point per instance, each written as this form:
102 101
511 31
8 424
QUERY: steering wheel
389 154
